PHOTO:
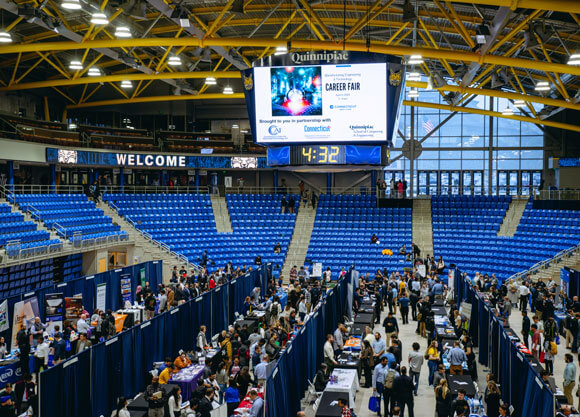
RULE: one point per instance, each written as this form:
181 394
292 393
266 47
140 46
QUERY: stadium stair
423 226
223 222
298 248
150 249
512 218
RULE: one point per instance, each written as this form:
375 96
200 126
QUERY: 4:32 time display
318 154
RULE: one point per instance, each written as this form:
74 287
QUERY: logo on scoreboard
317 128
274 130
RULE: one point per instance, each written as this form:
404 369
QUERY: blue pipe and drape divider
521 386
88 384
299 362
152 271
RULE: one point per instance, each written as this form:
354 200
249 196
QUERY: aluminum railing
80 189
13 255
559 195
546 263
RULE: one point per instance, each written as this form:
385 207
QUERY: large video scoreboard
325 107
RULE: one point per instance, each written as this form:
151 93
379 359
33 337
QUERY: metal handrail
126 189
545 263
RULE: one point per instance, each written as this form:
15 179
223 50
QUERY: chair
312 393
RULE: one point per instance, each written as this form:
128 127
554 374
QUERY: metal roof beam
154 99
165 9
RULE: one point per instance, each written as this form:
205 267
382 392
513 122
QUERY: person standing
569 377
433 357
257 409
404 302
155 396
367 359
379 375
391 327
443 399
403 392
415 362
524 296
456 357
23 341
525 327
329 359
492 399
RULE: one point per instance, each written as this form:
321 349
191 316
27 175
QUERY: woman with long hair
443 399
121 410
174 402
367 358
433 360
492 399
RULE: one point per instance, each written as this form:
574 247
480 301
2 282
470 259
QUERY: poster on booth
316 270
451 279
24 313
73 308
102 296
53 311
126 288
4 316
142 277
564 281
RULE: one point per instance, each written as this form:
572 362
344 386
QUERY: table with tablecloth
328 404
119 321
559 316
346 382
10 370
246 403
352 343
439 310
461 381
186 379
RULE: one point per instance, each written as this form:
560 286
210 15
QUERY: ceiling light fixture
281 50
174 61
99 19
508 111
228 90
210 81
94 72
574 58
519 103
415 60
122 32
126 84
413 93
542 86
71 4
75 64
414 76
5 37
235 126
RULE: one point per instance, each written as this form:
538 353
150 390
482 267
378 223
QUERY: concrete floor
425 401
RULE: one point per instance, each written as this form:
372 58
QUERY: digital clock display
318 154
325 155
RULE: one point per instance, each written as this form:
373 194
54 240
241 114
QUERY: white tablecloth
347 382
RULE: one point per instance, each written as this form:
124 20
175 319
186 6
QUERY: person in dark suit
59 346
403 391
205 405
525 327
25 391
320 379
23 340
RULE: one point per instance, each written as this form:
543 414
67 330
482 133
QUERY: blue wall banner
146 160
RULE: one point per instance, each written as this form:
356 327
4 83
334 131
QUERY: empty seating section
71 215
342 234
13 228
185 222
465 233
258 224
19 279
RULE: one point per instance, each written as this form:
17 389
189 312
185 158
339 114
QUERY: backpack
274 309
553 348
389 378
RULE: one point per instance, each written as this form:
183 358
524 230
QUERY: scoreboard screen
324 98
325 155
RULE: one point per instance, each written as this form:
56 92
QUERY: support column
275 179
91 176
163 178
373 182
53 178
46 109
11 175
412 159
329 183
490 151
122 179
196 178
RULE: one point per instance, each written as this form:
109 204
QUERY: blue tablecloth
283 296
559 316
11 373
189 384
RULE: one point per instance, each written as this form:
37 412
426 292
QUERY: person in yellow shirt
166 374
182 361
433 360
